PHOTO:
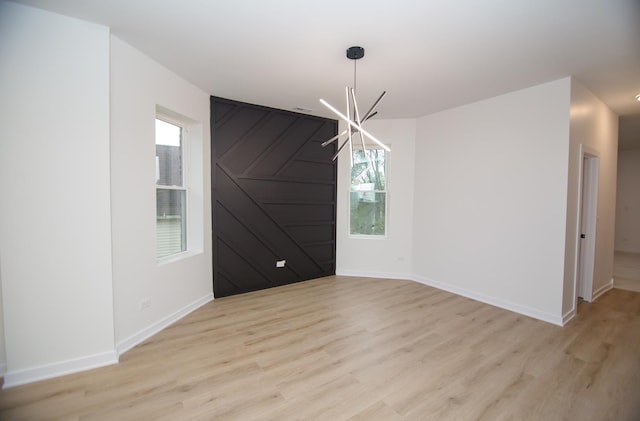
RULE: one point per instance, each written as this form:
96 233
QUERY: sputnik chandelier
352 118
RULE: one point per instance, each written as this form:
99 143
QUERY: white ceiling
428 55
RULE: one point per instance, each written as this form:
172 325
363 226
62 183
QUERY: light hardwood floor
342 348
626 271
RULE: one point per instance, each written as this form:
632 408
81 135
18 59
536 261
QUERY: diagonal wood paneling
273 197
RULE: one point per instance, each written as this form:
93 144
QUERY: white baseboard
604 288
628 250
48 371
383 275
156 327
507 305
497 302
568 316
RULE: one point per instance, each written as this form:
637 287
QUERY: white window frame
386 201
168 117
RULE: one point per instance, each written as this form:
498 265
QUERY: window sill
172 258
367 237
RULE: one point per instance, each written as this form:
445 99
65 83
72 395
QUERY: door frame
586 223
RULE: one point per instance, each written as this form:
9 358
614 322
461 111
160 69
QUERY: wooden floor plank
341 348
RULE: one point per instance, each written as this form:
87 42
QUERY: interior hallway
626 271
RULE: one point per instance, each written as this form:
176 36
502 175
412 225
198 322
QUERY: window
171 188
368 201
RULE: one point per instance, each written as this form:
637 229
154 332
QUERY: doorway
588 209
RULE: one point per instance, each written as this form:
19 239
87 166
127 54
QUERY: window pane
368 172
367 213
171 221
168 154
368 196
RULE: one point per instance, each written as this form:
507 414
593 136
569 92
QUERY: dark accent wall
273 197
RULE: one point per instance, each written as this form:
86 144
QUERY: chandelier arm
351 153
369 114
333 139
357 117
340 149
364 148
382 145
346 92
355 126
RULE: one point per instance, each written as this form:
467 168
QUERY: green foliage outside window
368 195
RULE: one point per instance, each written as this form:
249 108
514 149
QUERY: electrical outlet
280 263
145 304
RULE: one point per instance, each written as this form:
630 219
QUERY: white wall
138 84
391 256
77 224
628 202
3 355
595 127
55 221
490 199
